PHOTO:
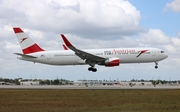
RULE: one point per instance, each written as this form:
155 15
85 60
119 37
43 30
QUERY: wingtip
62 35
64 46
68 44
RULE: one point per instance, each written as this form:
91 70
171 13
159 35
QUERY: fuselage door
48 56
153 53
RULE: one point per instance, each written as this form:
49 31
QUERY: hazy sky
91 24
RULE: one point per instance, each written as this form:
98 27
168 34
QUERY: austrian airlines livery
74 56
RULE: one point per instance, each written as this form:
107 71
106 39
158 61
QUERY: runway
84 87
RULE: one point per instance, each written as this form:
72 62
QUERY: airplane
71 55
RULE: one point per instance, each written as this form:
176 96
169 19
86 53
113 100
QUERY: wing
82 54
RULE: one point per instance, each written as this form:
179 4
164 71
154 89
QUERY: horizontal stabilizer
25 55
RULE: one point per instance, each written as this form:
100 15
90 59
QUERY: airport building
29 83
5 83
112 83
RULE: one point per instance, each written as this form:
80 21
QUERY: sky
91 24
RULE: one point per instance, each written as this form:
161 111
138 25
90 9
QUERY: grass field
89 100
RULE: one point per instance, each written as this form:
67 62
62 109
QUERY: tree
56 82
41 82
47 82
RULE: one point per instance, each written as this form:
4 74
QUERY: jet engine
110 62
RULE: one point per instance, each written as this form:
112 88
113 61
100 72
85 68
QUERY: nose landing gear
156 66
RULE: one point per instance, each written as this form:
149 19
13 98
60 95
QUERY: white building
29 83
113 83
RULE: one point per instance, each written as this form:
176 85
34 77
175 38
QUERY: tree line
17 81
41 82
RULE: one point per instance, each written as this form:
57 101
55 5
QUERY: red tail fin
26 43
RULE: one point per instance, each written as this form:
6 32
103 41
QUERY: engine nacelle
111 62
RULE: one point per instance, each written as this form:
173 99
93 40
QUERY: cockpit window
162 51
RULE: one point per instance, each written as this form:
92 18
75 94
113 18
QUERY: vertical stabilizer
26 43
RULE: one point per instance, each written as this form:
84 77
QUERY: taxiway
85 87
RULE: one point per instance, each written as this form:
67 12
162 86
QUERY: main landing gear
92 64
156 66
92 69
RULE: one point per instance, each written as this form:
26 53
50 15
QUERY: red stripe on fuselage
143 51
17 30
32 49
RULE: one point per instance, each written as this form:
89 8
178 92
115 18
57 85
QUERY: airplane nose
165 55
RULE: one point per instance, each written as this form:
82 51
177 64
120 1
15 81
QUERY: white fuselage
126 55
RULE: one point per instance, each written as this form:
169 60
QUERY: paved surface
84 87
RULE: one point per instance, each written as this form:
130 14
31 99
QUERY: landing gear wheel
92 69
156 67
